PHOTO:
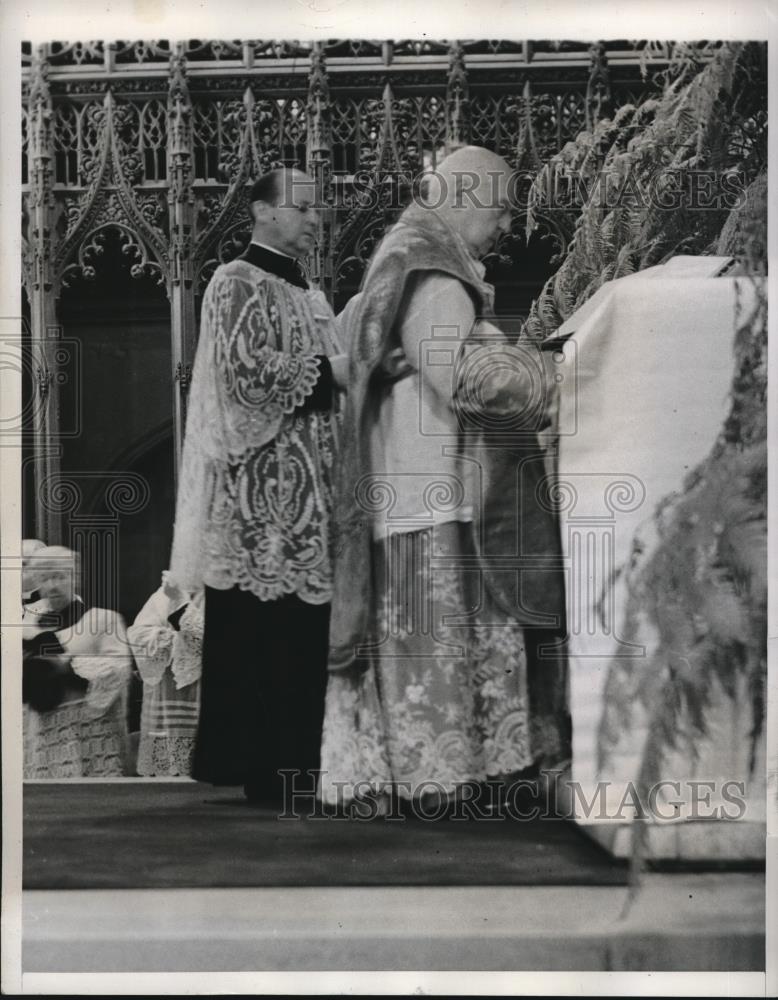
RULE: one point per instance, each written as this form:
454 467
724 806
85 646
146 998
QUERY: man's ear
261 211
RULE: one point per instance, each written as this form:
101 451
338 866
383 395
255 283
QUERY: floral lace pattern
438 704
66 743
269 530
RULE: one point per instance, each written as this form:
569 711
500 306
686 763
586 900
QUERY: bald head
471 189
475 159
55 570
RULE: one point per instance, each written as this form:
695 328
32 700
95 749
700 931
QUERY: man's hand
171 589
340 366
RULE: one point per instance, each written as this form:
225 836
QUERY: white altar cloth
644 373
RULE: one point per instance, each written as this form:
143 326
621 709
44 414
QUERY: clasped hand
340 367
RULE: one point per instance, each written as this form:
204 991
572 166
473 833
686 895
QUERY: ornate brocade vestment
512 518
255 495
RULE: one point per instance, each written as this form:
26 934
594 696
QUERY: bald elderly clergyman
77 667
429 685
255 499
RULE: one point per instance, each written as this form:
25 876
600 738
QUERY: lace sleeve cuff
296 395
321 398
152 651
188 648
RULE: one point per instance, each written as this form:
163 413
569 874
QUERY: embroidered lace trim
165 756
66 743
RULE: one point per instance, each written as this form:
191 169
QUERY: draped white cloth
645 378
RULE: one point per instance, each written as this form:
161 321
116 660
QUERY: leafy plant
612 185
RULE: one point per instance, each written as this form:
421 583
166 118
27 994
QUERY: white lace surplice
170 663
86 736
254 497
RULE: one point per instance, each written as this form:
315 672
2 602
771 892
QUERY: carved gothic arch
110 202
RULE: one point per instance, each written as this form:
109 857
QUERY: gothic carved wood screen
158 142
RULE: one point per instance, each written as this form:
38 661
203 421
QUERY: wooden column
457 100
527 156
43 314
319 165
180 162
598 87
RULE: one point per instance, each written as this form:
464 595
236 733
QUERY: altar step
678 922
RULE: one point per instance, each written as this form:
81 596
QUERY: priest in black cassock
254 500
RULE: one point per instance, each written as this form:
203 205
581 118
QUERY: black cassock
264 673
263 686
